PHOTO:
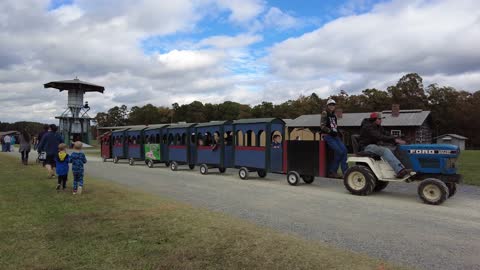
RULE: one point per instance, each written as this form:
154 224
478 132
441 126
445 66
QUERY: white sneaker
79 190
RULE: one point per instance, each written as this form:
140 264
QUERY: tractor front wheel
433 191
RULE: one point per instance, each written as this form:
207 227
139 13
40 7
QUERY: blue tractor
434 165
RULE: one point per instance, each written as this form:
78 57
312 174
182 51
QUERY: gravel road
392 225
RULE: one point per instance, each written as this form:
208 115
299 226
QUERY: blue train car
120 145
181 145
156 144
135 144
259 146
214 145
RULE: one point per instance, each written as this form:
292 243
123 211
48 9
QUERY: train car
258 146
135 144
214 145
305 150
155 144
120 145
106 146
181 145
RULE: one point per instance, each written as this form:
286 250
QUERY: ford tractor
434 165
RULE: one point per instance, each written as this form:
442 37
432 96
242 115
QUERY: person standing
25 146
49 145
62 159
329 126
78 159
8 140
373 139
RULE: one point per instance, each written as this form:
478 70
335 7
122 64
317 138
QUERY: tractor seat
358 153
368 154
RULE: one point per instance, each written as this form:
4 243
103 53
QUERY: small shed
453 139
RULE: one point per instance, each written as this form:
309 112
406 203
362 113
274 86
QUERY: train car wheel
308 179
173 166
204 169
150 163
293 178
243 173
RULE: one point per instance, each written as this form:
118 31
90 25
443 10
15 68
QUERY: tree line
452 110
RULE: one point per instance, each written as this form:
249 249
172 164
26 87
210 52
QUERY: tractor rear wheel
359 180
433 191
380 185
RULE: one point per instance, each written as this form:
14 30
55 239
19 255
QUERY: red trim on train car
118 145
285 157
253 148
177 146
322 159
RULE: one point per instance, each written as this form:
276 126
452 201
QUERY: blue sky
247 51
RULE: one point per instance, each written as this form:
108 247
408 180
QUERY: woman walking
25 146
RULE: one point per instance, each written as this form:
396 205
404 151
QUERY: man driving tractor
373 139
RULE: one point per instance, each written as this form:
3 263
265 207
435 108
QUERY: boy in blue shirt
78 159
61 164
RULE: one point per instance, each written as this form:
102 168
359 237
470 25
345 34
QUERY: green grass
469 166
109 227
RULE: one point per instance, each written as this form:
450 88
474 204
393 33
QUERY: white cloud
432 38
275 18
101 42
242 11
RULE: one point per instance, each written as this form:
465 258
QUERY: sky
248 51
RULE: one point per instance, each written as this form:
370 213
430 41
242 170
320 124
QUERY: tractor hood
446 150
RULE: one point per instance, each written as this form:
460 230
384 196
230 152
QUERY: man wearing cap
328 126
372 139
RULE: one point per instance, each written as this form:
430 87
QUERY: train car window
178 139
239 138
184 139
170 139
276 139
261 138
208 139
250 138
193 137
200 139
216 138
165 139
147 139
228 138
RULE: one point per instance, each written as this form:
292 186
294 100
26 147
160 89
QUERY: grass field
109 227
469 166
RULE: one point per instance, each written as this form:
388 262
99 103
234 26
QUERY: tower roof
75 84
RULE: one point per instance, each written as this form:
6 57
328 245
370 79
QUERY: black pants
62 180
25 155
